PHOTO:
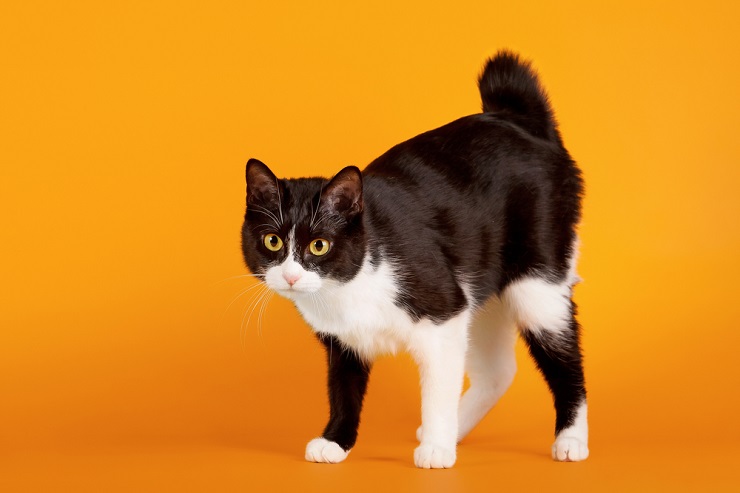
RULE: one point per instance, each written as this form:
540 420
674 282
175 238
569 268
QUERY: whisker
280 201
263 310
323 305
315 301
241 293
258 276
252 302
260 304
266 227
253 307
242 331
268 213
318 206
321 218
263 306
264 210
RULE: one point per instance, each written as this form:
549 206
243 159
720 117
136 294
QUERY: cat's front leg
439 350
347 380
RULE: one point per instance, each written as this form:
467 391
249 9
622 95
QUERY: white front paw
569 449
322 450
427 456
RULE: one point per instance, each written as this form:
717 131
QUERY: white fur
361 313
571 444
490 364
323 450
540 305
439 350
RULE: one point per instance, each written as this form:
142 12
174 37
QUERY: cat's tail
510 87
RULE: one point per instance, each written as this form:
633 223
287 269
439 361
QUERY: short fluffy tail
510 87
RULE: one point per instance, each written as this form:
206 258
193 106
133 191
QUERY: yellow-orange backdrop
124 130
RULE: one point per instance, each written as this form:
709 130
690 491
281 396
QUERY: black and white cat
445 246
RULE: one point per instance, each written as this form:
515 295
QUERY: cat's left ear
343 194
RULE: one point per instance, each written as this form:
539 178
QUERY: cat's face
301 234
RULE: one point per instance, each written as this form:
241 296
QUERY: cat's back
474 149
472 164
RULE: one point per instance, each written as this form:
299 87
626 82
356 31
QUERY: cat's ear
343 193
263 187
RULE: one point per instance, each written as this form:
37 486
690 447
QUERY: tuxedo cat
446 246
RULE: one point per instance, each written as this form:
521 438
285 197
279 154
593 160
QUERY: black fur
487 198
559 359
347 382
483 199
509 86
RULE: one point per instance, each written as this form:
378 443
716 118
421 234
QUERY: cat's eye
319 247
273 242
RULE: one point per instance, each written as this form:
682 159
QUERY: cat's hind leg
490 363
545 314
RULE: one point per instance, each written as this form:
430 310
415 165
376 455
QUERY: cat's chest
361 313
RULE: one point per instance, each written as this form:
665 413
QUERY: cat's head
303 233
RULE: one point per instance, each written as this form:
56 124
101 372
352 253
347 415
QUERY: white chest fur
361 313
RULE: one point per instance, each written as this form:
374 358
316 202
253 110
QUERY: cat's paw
427 456
420 435
569 449
322 450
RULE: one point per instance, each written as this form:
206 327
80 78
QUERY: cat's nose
291 278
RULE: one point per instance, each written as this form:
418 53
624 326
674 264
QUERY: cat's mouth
291 291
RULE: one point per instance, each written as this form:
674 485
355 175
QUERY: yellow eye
319 247
273 242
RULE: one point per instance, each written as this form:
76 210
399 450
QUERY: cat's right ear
263 187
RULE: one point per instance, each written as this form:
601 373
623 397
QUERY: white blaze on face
290 278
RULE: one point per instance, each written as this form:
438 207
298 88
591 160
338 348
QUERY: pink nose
291 278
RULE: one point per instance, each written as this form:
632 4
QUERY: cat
446 246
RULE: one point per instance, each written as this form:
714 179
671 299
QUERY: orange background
124 133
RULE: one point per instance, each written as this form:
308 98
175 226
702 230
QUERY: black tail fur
510 88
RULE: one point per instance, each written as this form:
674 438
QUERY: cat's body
442 247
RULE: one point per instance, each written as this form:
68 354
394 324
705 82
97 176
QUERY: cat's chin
292 293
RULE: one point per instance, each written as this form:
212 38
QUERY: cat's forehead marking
302 207
291 243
